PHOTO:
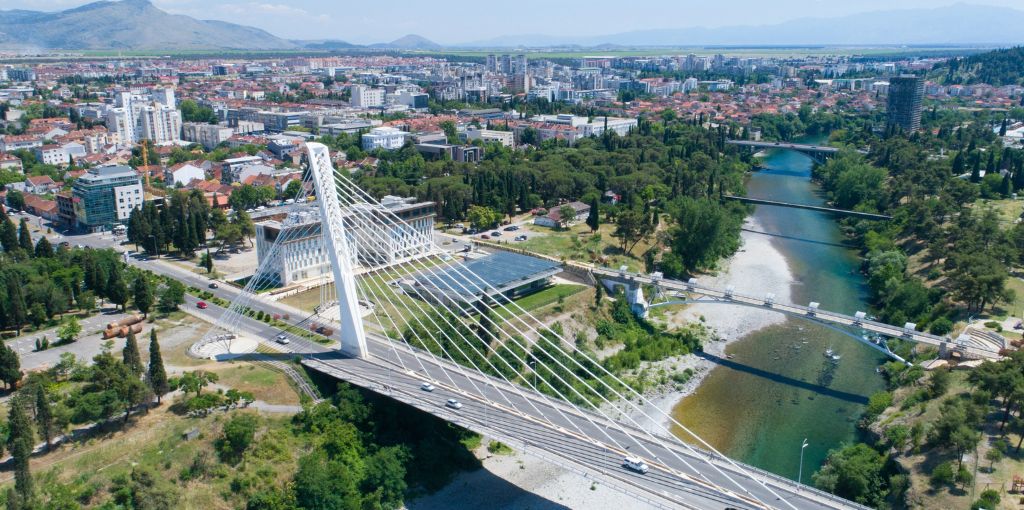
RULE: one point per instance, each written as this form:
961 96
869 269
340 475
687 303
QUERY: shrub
989 499
941 326
942 475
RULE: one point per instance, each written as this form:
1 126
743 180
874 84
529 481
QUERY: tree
44 414
10 366
8 235
172 296
482 218
855 473
157 376
993 455
130 354
196 380
593 217
69 331
116 289
598 294
293 189
25 237
19 442
16 200
143 294
206 261
44 249
567 215
238 434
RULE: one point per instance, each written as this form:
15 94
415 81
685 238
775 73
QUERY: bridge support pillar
353 337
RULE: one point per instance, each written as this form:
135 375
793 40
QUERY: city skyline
367 23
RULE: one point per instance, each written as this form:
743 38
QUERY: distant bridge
830 210
633 282
819 153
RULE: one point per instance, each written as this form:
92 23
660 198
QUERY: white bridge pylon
352 337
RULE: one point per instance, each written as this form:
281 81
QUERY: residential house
184 173
40 185
11 163
553 218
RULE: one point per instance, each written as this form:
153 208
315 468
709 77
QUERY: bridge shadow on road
816 388
484 490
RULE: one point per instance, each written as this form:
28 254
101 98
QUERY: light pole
800 473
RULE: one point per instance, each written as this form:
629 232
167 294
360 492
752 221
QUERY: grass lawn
577 243
545 297
1009 209
268 385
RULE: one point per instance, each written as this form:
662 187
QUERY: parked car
454 404
511 228
427 387
635 464
495 234
202 305
520 238
485 237
283 339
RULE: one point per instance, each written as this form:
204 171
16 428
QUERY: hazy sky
457 21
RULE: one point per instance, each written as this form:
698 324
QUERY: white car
427 387
454 404
283 339
635 464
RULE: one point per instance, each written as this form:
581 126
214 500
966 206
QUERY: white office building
376 242
366 97
387 138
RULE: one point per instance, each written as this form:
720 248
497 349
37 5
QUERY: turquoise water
779 388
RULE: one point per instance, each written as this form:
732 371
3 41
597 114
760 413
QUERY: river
779 387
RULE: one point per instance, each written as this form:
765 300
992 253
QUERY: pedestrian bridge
967 347
516 380
819 153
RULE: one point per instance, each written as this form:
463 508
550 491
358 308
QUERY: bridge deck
824 149
843 212
816 314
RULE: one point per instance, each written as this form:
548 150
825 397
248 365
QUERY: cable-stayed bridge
424 317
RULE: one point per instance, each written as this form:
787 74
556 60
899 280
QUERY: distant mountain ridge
409 42
128 25
954 24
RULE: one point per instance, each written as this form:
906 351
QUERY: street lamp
800 473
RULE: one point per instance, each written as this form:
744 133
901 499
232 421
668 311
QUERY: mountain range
128 25
138 25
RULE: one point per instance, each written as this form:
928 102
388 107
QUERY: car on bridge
282 339
427 387
635 464
454 404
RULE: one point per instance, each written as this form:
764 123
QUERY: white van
635 464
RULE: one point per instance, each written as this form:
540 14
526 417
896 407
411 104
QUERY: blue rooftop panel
496 271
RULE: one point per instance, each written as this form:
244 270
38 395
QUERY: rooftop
496 272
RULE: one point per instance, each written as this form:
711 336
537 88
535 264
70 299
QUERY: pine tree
10 366
130 353
44 249
598 295
593 219
25 237
44 414
157 374
143 294
19 441
8 235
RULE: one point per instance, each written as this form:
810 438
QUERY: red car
201 305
